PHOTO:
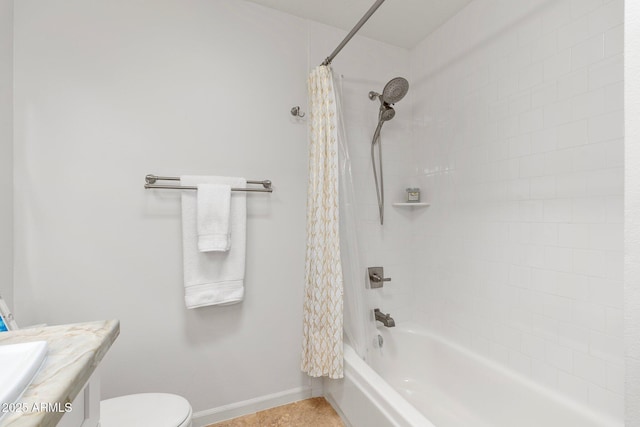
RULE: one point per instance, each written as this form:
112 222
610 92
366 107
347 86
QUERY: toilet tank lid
134 410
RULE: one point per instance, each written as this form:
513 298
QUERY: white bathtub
423 380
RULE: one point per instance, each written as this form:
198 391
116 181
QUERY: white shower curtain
322 352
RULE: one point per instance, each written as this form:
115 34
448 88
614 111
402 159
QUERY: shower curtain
330 171
322 347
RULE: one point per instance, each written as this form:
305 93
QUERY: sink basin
19 363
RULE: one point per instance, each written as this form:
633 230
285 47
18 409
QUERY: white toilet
146 409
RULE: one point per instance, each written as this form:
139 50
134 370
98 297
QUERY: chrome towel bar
150 182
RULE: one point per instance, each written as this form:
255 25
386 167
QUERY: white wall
6 150
107 92
518 109
632 213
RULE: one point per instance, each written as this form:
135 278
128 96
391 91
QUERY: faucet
386 319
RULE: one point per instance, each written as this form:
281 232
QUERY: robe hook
295 112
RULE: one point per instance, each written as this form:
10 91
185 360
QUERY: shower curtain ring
295 111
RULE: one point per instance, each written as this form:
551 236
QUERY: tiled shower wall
518 138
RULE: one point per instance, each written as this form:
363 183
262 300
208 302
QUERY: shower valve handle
376 277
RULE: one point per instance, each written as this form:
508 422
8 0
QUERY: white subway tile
520 104
532 166
615 321
529 30
588 262
544 327
559 259
573 32
544 373
606 17
543 187
559 13
590 210
544 46
531 75
606 127
606 292
572 286
588 104
531 121
573 386
606 182
615 378
587 52
558 113
573 84
590 368
606 236
614 41
581 7
559 356
557 65
499 353
557 210
543 95
607 347
520 363
544 234
589 316
614 265
606 72
608 154
544 140
605 401
558 162
613 97
533 346
572 134
574 337
573 235
571 184
519 145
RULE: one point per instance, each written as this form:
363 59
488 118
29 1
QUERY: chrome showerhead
395 90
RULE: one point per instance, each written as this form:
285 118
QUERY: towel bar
150 182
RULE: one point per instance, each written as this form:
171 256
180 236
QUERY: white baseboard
251 406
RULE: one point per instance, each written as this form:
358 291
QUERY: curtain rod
353 32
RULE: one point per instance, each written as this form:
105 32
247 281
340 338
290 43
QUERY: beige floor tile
314 412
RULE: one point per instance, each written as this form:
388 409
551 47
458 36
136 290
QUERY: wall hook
295 112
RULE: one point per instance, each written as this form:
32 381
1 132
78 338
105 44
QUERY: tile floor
315 412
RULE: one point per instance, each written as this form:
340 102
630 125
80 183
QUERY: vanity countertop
74 352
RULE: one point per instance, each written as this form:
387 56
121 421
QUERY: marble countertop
74 352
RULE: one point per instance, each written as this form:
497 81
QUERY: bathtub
422 380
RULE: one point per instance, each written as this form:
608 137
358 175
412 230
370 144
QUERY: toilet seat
146 409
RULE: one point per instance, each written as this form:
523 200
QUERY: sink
19 363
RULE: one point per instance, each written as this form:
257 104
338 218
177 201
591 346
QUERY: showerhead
395 90
386 113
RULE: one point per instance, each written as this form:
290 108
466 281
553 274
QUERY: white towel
213 278
214 206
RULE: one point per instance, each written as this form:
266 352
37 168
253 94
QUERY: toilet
146 409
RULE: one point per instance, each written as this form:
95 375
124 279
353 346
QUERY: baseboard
251 406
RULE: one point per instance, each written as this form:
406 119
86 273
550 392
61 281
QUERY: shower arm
353 32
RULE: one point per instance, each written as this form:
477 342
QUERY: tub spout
386 319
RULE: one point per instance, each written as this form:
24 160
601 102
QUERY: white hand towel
213 278
214 206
